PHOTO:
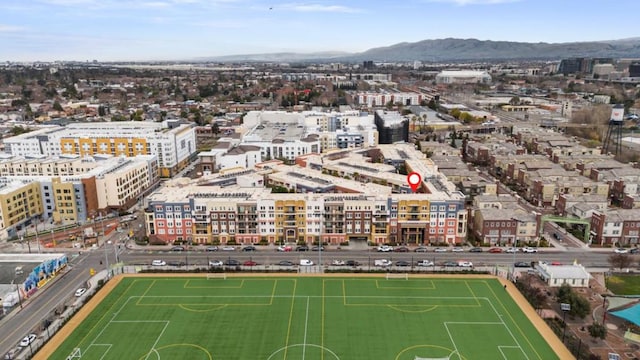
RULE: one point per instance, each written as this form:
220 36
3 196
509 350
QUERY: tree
57 106
215 129
597 331
619 261
580 306
514 101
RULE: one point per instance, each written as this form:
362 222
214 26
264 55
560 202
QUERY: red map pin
414 179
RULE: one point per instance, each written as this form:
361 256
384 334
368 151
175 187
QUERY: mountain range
451 49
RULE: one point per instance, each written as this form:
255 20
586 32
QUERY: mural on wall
42 273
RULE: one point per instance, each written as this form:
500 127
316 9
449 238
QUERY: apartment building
619 227
172 143
19 202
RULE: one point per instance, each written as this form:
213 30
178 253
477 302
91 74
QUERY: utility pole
104 244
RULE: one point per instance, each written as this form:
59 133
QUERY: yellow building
291 220
64 200
19 203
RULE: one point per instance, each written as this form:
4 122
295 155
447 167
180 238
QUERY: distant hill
462 50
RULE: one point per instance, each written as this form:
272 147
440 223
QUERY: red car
495 250
249 263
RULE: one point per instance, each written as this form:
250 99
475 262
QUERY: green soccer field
306 318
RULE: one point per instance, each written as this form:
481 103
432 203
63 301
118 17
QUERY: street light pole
565 308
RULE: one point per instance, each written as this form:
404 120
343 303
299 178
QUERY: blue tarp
631 314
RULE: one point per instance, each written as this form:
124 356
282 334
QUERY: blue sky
112 30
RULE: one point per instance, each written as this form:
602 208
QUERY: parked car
176 263
440 250
529 250
522 264
403 263
211 248
285 263
317 248
464 263
249 263
401 249
475 250
284 248
228 248
425 263
306 262
634 251
421 249
80 292
28 340
249 248
178 248
382 262
450 263
302 248
158 263
232 262
352 263
495 250
457 249
621 251
512 250
556 236
215 263
385 248
337 263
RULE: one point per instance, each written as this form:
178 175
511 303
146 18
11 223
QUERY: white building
172 143
382 98
463 77
556 275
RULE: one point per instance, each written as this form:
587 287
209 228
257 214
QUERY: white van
465 264
306 262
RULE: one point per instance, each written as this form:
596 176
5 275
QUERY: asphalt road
60 291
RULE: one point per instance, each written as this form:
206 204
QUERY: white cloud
10 28
474 2
318 8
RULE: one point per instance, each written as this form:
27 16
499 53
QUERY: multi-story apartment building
621 227
382 98
173 144
19 202
392 126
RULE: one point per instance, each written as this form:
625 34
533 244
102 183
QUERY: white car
512 250
228 248
306 262
215 263
465 264
337 262
457 249
382 262
621 251
529 250
158 263
425 263
440 250
28 340
80 292
385 248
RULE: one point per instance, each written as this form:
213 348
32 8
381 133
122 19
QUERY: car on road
352 263
382 262
177 248
475 250
512 250
401 249
317 248
232 262
285 263
522 264
556 236
385 248
284 248
450 263
211 248
421 249
249 248
176 263
457 249
302 248
634 251
529 250
620 250
495 250
440 250
464 263
249 263
306 262
424 263
338 263
28 340
158 263
80 292
228 248
403 263
215 263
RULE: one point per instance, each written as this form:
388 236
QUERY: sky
141 30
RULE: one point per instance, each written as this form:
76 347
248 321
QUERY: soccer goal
222 276
397 276
75 354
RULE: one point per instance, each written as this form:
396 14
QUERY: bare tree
619 261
